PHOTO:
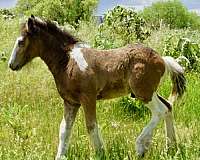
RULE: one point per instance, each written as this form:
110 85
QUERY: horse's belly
113 91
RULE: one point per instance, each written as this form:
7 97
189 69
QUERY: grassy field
31 112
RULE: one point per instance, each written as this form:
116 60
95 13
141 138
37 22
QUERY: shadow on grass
132 108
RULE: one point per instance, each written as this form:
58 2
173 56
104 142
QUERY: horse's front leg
89 106
70 112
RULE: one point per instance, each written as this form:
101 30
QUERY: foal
83 75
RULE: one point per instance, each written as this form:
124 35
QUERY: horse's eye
21 43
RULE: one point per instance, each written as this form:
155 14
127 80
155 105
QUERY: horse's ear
32 16
31 26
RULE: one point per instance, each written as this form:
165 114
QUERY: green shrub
51 9
172 13
186 51
121 26
132 107
182 44
58 10
7 14
87 30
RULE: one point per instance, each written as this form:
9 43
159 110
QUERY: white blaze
14 51
77 55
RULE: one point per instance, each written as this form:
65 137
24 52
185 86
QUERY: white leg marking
96 138
64 134
169 128
77 55
158 110
14 51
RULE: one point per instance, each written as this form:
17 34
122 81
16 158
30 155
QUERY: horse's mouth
15 68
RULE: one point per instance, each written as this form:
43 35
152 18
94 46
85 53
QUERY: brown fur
111 73
133 68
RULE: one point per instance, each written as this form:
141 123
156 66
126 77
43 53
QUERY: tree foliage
7 14
70 11
172 13
185 50
121 23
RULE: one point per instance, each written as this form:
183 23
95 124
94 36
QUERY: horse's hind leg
169 125
170 131
158 110
70 112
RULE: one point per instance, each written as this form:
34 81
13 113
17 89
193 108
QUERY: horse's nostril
10 65
17 68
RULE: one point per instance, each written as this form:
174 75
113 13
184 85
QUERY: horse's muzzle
13 67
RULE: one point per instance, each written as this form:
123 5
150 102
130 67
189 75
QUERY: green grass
31 111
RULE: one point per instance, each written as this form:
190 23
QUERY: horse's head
40 38
25 48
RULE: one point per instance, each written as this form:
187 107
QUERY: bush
58 10
186 51
172 13
51 9
87 31
123 25
182 44
132 107
7 14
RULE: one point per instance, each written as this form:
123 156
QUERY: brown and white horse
84 75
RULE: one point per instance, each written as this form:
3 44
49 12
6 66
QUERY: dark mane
60 34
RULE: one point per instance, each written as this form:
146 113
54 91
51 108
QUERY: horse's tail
177 76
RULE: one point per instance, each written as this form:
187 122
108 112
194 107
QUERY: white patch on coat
82 45
77 55
14 51
158 110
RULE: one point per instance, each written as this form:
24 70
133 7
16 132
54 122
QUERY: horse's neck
55 59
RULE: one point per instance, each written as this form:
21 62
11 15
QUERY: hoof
60 157
140 150
142 146
100 154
